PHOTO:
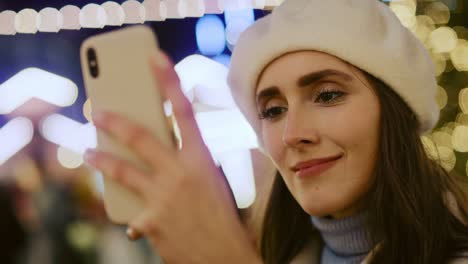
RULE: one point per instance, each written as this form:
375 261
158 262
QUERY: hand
189 215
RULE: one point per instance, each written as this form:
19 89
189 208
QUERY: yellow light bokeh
441 97
459 55
439 63
443 40
442 138
429 146
462 32
405 14
447 158
462 119
439 12
460 138
87 110
425 25
463 100
68 158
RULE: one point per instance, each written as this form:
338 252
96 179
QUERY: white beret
365 33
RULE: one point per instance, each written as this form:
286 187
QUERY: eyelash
270 114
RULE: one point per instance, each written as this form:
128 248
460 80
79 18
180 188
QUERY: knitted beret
365 33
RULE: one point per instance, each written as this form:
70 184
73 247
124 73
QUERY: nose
299 131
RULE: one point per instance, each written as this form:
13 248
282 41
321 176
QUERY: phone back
118 78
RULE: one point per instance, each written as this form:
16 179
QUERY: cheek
272 141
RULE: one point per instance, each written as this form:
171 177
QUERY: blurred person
339 93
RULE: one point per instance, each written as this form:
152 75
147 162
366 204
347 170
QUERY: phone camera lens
93 63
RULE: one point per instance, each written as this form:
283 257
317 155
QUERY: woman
338 93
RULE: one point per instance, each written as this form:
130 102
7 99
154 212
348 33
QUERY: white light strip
36 83
14 136
111 13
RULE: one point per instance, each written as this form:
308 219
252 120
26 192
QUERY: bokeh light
176 9
7 23
135 12
441 97
425 25
443 40
156 10
442 138
459 55
36 83
440 63
14 136
115 13
50 20
87 110
195 8
460 138
71 17
405 14
439 12
93 16
214 7
210 35
26 21
69 159
447 158
463 100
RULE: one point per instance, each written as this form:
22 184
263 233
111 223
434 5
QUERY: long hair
408 211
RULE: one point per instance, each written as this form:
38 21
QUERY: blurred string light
97 16
459 55
50 20
115 13
71 17
26 21
87 110
135 12
439 12
36 83
210 35
156 10
14 136
93 16
176 8
7 23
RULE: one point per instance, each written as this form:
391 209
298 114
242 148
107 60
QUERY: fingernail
131 234
161 60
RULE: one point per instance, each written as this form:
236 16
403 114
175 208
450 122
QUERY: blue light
247 15
210 35
223 59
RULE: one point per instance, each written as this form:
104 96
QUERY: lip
315 166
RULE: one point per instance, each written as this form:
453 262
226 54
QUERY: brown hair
407 206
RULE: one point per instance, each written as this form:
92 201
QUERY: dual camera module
93 64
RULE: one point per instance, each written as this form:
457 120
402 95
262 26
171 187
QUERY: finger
139 139
145 223
133 234
119 170
169 83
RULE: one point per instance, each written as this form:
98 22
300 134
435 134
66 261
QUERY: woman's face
320 126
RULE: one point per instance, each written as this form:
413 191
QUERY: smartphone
118 78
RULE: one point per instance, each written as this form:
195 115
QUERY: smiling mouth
315 167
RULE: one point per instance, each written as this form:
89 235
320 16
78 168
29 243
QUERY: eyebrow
305 80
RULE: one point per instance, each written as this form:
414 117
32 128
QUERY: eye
272 112
329 95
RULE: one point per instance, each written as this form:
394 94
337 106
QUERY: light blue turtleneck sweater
345 240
